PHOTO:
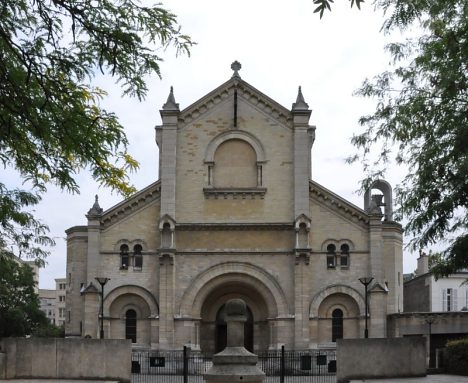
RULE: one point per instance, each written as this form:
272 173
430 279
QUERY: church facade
235 214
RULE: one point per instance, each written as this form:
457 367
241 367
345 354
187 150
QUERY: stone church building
235 214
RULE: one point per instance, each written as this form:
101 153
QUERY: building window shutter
444 300
454 300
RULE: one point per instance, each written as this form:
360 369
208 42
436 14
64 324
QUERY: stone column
235 363
303 139
91 311
93 263
168 154
378 311
376 246
301 301
166 301
154 337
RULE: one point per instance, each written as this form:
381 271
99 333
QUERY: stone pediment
131 204
245 92
378 287
337 203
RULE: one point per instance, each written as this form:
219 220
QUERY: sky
280 45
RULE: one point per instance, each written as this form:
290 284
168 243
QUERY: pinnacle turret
300 103
170 103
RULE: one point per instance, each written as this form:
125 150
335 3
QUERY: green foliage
456 357
323 5
19 228
421 121
49 330
51 122
19 304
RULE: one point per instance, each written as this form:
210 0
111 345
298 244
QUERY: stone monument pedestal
235 363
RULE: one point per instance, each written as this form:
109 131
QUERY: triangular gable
137 201
245 91
335 202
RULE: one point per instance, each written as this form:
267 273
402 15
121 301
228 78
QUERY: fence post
185 364
282 365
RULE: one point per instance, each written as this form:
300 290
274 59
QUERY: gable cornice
245 91
338 203
130 205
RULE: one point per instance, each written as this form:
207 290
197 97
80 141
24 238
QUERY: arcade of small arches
132 312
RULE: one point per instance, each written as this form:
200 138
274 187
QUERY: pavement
438 378
55 381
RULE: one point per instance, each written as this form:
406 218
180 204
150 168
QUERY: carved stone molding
336 202
248 226
149 194
244 90
234 193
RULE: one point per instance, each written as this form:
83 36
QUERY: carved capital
166 259
303 257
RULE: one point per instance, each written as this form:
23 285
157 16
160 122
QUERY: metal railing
280 366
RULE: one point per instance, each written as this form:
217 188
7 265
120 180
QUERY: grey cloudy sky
280 45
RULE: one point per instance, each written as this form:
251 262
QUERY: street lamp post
102 281
366 281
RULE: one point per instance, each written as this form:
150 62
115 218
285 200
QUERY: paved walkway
55 381
428 379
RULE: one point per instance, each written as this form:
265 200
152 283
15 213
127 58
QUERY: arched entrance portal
213 325
221 330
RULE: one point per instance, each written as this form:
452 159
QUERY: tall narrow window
331 256
131 325
124 257
344 258
337 324
449 299
138 257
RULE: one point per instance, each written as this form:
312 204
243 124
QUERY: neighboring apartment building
235 214
52 302
35 269
47 301
436 309
423 293
60 290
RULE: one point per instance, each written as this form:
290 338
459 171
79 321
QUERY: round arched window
131 325
337 324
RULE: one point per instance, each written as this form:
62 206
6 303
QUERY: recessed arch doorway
213 329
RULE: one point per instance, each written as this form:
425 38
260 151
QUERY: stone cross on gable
236 66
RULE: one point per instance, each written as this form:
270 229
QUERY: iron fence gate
279 366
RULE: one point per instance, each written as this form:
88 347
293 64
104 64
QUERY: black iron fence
280 366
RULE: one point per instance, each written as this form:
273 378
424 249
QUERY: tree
323 5
421 120
51 122
19 304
